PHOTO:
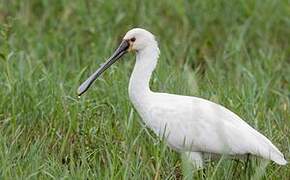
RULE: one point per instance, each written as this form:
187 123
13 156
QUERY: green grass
235 53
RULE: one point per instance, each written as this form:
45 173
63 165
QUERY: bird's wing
200 125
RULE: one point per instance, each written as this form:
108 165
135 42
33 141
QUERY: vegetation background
235 53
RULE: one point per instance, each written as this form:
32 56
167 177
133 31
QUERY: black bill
120 51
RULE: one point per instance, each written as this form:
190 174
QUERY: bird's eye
133 39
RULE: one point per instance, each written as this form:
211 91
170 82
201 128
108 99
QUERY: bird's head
136 39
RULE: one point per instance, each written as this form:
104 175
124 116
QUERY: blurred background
235 53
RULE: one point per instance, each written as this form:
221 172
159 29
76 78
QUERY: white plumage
189 124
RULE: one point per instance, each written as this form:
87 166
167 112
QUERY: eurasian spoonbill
191 125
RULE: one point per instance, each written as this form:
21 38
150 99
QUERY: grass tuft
233 53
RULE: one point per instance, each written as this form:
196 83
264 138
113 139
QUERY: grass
235 53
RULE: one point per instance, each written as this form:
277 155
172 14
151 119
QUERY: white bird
191 125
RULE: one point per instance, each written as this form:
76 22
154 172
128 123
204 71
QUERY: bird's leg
247 165
195 158
247 162
237 161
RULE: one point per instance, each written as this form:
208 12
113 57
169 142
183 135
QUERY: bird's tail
269 151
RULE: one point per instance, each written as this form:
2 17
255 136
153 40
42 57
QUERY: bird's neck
146 61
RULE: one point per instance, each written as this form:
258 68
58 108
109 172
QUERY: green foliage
235 53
